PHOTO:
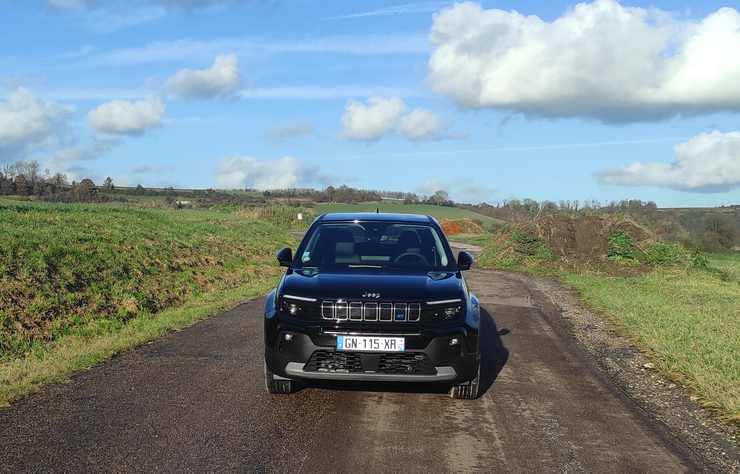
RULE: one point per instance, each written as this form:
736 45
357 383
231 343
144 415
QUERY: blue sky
470 98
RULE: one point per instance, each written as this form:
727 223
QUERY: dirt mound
586 236
461 226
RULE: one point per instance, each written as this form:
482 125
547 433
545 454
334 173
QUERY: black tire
467 390
277 386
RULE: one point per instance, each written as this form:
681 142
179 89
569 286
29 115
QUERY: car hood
390 286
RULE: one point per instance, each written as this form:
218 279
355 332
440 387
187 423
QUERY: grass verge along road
80 283
687 319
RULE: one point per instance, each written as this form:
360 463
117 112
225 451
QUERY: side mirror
285 257
464 260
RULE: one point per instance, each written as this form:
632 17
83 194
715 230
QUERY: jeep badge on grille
371 295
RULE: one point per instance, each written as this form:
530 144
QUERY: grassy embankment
683 310
80 283
438 212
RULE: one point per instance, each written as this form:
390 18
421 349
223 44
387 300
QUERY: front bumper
309 353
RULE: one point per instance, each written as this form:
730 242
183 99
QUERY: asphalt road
195 401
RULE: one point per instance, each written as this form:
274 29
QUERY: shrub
700 260
665 253
530 244
621 247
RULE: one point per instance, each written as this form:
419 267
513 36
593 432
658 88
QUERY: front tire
277 386
467 390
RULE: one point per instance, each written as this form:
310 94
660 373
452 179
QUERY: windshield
375 245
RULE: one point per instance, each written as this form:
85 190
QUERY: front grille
343 310
405 363
334 361
399 363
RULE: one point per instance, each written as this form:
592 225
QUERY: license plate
369 343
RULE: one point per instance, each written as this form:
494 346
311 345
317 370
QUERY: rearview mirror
285 256
464 260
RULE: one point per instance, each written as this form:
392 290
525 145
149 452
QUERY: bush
512 247
621 247
530 244
665 253
700 260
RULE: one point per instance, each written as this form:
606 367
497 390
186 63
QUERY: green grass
438 212
81 282
687 319
98 341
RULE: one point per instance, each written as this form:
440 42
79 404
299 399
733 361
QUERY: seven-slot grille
343 310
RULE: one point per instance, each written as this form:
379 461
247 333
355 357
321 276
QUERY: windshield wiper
364 266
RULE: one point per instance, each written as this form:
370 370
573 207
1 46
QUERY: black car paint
428 338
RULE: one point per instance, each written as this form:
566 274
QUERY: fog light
451 312
454 341
288 337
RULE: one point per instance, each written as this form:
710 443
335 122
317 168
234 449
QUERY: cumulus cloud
707 163
380 116
122 117
599 60
286 172
420 124
221 79
27 121
289 131
368 122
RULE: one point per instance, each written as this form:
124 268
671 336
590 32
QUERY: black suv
373 297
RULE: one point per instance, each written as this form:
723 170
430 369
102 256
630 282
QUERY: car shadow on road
493 353
493 358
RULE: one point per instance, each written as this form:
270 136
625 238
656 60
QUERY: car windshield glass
375 245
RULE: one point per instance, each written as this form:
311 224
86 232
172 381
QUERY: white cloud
369 122
420 125
121 117
221 79
287 172
381 116
27 121
708 162
598 60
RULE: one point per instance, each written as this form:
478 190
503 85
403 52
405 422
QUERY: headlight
292 308
295 305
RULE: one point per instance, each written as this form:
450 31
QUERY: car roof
375 216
